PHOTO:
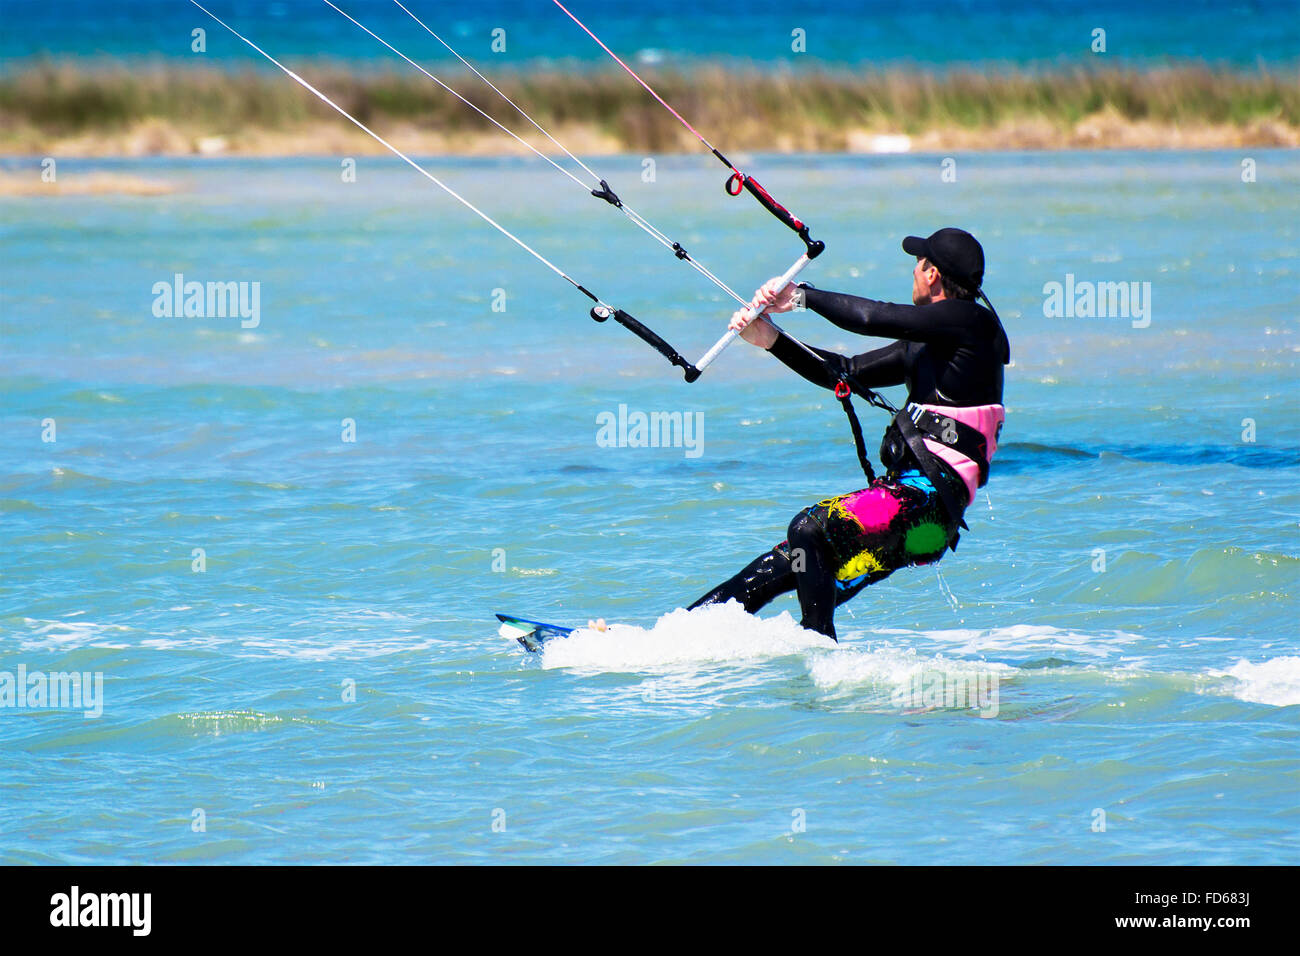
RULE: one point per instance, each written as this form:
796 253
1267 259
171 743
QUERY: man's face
924 278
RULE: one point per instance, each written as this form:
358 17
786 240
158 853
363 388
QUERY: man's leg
814 568
803 562
865 535
766 577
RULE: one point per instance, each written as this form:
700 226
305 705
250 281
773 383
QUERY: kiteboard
531 635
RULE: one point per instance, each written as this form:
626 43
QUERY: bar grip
707 359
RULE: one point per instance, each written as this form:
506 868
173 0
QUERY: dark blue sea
1037 33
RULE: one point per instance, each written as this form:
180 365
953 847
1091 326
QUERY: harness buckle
842 390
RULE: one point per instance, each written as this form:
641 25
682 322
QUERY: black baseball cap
954 252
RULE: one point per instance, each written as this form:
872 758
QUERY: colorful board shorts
895 522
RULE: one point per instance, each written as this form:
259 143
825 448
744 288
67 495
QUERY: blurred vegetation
743 108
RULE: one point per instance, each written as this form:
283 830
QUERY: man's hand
774 297
758 331
771 297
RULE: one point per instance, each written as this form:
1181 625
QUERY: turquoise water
1164 690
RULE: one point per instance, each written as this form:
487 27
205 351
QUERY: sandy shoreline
1103 130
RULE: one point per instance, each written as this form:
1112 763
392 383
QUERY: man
949 352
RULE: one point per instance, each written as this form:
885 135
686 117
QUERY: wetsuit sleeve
915 323
874 369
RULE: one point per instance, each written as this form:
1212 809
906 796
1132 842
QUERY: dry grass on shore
75 109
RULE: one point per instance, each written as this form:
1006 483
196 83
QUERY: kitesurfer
949 352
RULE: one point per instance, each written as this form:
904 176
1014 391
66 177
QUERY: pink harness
985 419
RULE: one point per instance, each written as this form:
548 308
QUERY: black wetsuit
948 353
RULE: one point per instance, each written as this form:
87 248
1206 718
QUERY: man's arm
915 323
874 369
